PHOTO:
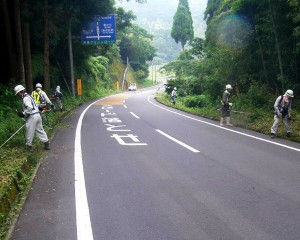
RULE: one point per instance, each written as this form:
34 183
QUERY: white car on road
132 87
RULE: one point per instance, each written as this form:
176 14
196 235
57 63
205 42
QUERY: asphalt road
128 168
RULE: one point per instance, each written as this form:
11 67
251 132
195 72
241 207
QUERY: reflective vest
38 98
225 97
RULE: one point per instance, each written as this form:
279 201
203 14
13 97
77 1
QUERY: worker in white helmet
58 98
283 109
226 106
40 97
32 116
174 95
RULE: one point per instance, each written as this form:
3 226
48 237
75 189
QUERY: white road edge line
136 116
83 221
226 129
177 141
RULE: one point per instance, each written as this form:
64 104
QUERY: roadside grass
257 119
17 165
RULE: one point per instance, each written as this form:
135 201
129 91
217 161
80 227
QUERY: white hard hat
58 87
228 86
38 85
289 93
18 89
175 88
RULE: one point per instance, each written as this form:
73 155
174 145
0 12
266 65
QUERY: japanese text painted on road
114 124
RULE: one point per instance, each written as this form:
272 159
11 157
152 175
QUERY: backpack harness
282 108
38 98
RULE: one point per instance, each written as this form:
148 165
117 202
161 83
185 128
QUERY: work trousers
287 124
225 111
34 125
58 103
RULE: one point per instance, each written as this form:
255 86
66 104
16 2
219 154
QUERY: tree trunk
19 47
9 39
71 59
260 49
277 45
262 57
27 51
46 51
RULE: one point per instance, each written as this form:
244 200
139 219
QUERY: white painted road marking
135 115
177 141
226 129
133 138
83 221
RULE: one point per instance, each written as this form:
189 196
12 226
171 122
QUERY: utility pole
155 73
125 72
152 71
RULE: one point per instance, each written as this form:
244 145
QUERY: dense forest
254 45
41 42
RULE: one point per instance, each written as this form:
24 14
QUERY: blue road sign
101 31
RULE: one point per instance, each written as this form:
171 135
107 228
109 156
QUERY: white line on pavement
226 129
135 115
83 221
177 141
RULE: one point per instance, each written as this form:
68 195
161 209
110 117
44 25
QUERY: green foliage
182 29
37 65
124 19
197 49
9 122
295 16
97 67
250 41
137 48
256 97
198 101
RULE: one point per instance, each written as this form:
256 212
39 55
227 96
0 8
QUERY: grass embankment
17 165
258 119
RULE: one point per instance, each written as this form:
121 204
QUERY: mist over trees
253 45
156 17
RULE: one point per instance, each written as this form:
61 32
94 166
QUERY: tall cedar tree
182 29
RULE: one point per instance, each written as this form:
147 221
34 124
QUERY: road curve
126 167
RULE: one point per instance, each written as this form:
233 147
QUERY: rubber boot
221 121
228 121
47 146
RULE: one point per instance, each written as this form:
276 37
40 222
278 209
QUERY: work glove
230 104
52 106
41 108
279 114
21 114
289 118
